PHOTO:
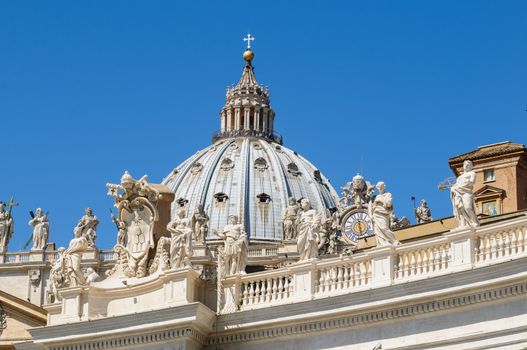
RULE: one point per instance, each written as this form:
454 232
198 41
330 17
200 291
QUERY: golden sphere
248 55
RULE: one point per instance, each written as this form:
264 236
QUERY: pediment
489 191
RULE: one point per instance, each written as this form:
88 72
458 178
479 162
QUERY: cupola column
257 118
265 113
229 120
223 117
237 118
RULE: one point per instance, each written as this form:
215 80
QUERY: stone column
222 117
257 119
229 120
265 115
237 118
247 118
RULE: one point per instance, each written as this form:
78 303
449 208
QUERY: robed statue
40 225
462 196
235 249
6 227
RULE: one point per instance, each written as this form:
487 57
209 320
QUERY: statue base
121 296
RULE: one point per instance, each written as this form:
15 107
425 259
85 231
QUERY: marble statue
462 196
234 254
200 224
6 227
423 213
40 230
289 217
180 240
87 226
308 231
356 193
91 275
72 260
380 210
137 213
57 277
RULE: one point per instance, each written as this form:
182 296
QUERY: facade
246 245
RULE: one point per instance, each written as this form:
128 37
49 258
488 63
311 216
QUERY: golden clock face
358 225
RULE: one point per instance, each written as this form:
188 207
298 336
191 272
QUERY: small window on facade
490 208
489 175
221 197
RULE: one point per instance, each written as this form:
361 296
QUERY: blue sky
389 88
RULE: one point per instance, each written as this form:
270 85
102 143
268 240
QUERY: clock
357 225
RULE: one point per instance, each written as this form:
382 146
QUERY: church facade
246 245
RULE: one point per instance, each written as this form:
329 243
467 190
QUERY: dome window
227 164
264 198
221 197
182 202
292 168
317 176
260 164
196 168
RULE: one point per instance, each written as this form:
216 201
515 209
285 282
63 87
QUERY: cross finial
249 38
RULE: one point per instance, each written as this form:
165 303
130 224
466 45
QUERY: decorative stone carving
358 192
381 209
161 260
423 213
308 231
6 227
289 218
200 224
91 276
40 225
462 196
180 241
397 224
34 278
233 256
135 201
87 226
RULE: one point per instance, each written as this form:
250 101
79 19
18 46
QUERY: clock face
358 225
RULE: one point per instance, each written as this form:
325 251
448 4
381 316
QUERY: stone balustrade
453 251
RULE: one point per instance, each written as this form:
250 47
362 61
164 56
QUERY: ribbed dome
247 172
249 177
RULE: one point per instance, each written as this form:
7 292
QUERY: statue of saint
289 217
40 230
57 278
381 209
73 258
87 226
180 241
200 224
234 254
462 197
423 213
308 231
6 227
91 275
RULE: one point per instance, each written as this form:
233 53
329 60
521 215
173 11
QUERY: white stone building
186 287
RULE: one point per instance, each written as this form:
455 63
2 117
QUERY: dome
251 178
246 171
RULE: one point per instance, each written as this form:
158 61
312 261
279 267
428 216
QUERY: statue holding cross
6 224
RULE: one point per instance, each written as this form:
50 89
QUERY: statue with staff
40 234
6 223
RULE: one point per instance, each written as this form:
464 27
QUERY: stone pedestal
382 266
304 278
462 247
116 296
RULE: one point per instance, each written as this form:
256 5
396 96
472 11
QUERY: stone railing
15 258
453 251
